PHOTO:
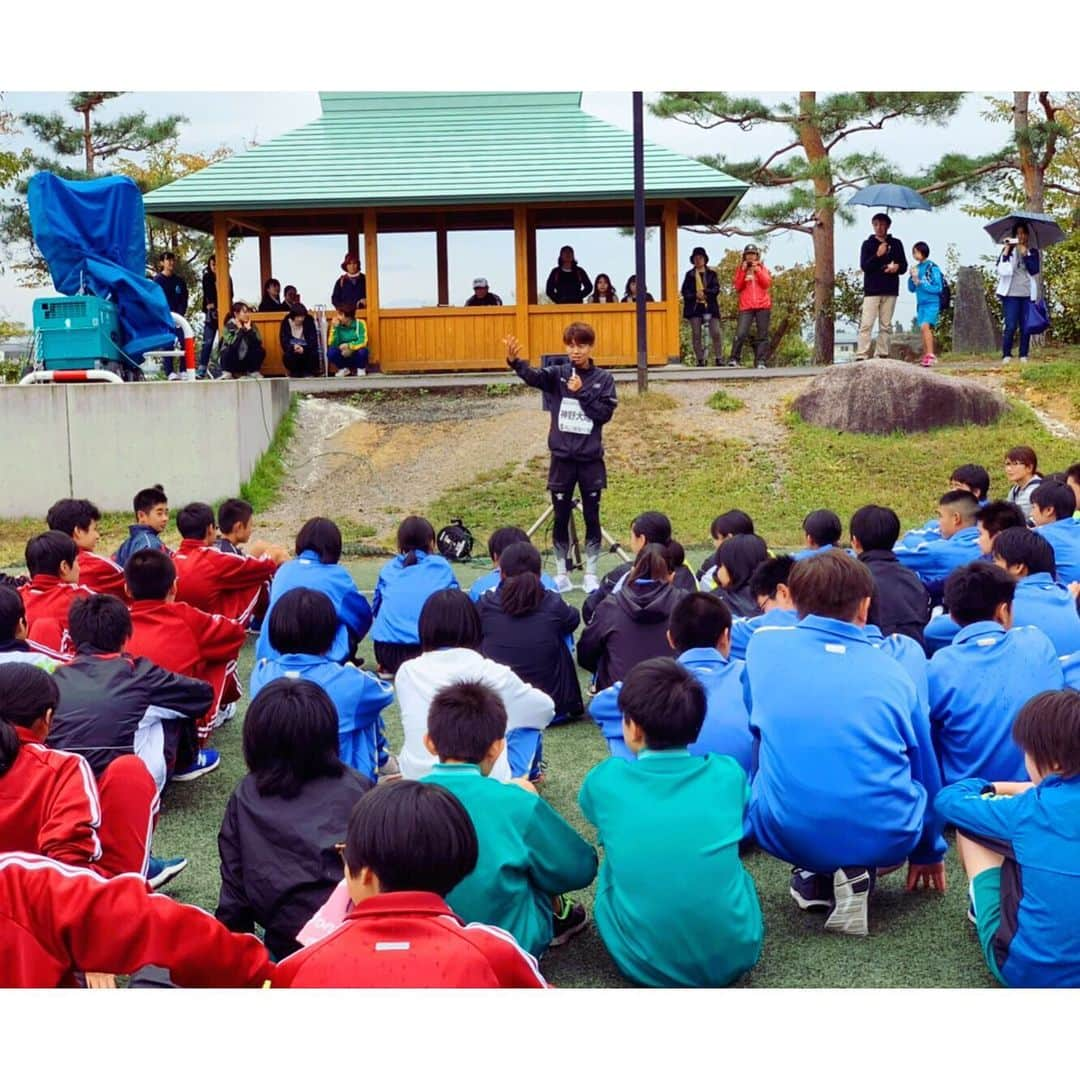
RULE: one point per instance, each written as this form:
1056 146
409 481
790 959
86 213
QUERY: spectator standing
700 292
926 283
567 283
882 260
210 313
752 283
351 287
271 296
482 295
1018 266
630 292
176 294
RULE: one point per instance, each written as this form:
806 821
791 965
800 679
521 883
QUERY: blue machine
75 332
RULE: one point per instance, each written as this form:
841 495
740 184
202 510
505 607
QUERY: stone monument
974 330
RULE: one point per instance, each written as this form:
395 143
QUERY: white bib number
571 418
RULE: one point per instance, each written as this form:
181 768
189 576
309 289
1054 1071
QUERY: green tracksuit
528 854
674 905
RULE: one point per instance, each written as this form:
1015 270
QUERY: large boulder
878 397
974 330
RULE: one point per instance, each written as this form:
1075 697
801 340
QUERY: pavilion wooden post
442 260
669 260
352 234
371 271
266 268
521 275
221 267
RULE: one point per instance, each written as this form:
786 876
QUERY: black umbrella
1043 230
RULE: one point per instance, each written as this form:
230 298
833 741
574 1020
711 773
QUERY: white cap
479 282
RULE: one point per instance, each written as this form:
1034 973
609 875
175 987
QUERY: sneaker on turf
590 583
812 892
851 893
160 872
563 582
206 761
570 919
224 715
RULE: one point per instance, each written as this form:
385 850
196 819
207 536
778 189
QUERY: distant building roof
396 150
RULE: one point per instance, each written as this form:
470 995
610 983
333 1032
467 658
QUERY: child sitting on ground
1020 847
768 586
303 625
822 530
736 560
529 856
14 647
409 845
732 523
79 519
500 540
404 585
236 522
151 519
934 560
52 559
979 682
283 820
674 905
1052 507
972 478
347 348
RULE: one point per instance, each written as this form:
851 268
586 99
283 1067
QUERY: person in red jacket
218 582
79 519
56 920
52 559
179 637
409 844
50 802
752 283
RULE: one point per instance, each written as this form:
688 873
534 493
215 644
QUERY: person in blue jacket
1070 666
1052 507
1020 847
1040 600
926 282
959 544
822 530
317 566
404 584
699 630
908 654
302 627
768 585
845 773
971 477
979 683
500 540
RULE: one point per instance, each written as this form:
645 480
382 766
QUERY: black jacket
740 601
627 628
176 293
209 292
568 286
691 306
278 863
577 419
349 290
104 697
533 646
875 281
490 300
268 303
305 363
901 604
684 579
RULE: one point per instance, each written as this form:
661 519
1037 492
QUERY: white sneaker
852 901
1006 359
563 582
1023 359
590 583
224 715
360 371
342 372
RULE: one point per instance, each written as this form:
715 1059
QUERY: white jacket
418 681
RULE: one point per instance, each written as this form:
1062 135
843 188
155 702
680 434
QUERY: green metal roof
383 150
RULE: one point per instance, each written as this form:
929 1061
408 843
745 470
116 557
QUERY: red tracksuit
218 582
187 641
101 575
51 804
411 940
47 600
56 919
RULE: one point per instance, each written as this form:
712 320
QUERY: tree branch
944 185
764 166
873 126
1063 188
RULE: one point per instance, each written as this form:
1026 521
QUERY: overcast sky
407 263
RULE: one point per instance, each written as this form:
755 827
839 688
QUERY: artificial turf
918 940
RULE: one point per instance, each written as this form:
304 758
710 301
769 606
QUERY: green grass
269 473
722 401
1058 378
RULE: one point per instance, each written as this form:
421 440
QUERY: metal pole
639 240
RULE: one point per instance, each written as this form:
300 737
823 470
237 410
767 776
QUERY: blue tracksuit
140 538
1064 538
913 537
358 696
939 632
933 559
845 766
1038 941
742 629
927 293
805 553
1040 601
334 581
726 729
907 652
402 591
491 581
1070 666
977 686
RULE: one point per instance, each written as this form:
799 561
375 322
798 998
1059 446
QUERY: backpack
945 296
455 541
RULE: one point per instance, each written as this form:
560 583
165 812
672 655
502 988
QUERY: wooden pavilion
378 163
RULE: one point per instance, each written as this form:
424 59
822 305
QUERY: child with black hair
218 582
822 530
934 560
699 631
404 585
736 560
151 506
14 646
79 519
1020 847
731 523
409 845
53 561
347 347
283 820
450 638
236 523
768 586
1072 478
631 625
528 855
1052 507
1022 471
674 905
498 542
303 625
972 478
979 682
318 566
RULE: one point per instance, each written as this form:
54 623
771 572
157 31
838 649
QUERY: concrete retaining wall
104 442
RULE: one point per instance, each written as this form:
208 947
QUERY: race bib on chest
571 418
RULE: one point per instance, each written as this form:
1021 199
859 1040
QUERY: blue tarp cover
93 231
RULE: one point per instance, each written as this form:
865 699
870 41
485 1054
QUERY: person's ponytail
651 564
521 589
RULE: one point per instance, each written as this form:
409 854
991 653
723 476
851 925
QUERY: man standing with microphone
583 401
883 261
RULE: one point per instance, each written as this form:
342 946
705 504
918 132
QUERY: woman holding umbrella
1017 267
